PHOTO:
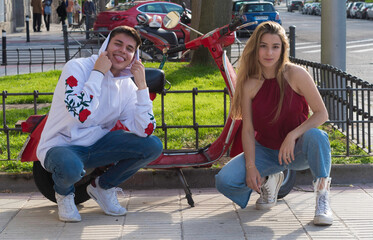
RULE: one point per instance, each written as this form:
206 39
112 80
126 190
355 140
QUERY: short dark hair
129 31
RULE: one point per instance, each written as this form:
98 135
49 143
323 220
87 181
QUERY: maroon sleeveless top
264 105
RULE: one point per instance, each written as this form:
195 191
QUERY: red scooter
155 38
230 138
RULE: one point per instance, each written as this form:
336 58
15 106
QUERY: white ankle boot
323 213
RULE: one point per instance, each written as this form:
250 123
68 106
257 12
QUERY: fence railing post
4 47
66 42
292 40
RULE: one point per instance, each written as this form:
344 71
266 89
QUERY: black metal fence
348 100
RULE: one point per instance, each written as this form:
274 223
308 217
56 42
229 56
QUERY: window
151 8
172 7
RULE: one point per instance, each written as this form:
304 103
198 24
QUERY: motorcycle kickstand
188 193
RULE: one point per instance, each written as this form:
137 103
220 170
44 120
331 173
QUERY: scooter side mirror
171 19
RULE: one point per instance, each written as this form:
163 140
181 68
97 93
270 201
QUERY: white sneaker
67 211
107 199
323 213
269 191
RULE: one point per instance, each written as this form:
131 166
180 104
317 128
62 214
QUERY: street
359 46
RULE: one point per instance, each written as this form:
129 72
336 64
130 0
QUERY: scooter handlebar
233 25
176 49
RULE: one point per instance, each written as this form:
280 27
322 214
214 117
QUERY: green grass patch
178 111
338 147
27 83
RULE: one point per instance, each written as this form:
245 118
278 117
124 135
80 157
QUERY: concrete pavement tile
214 237
8 201
77 231
269 230
136 200
210 212
154 192
30 235
149 217
6 215
280 212
154 197
213 228
153 231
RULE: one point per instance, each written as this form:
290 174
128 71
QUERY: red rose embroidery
149 129
90 96
83 115
71 81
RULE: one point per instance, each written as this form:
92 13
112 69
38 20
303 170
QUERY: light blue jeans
127 151
70 18
312 150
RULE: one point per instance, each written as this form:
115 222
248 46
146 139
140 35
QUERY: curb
196 178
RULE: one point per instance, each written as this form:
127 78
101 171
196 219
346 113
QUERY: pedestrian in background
47 12
61 11
273 97
90 15
69 11
37 10
76 11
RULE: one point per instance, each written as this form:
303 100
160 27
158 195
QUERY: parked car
125 14
238 3
354 7
370 12
305 8
362 11
260 12
312 9
348 8
317 9
295 5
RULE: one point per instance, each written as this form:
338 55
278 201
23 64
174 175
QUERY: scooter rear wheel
44 182
287 184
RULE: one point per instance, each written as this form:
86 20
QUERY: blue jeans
312 150
70 18
127 151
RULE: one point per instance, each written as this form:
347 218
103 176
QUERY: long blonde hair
249 65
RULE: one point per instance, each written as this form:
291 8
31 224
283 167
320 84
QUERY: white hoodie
86 105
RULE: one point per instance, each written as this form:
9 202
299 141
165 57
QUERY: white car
354 8
370 12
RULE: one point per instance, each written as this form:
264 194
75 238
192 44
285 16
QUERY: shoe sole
270 205
322 221
69 220
89 191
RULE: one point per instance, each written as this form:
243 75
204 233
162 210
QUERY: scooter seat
155 79
169 36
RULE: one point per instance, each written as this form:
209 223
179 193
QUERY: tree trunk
208 15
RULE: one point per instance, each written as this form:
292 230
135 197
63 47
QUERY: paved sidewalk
44 39
165 214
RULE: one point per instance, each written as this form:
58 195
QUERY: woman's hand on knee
286 152
253 179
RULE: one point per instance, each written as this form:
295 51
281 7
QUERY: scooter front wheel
288 183
44 182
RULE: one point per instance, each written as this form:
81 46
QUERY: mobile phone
137 55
